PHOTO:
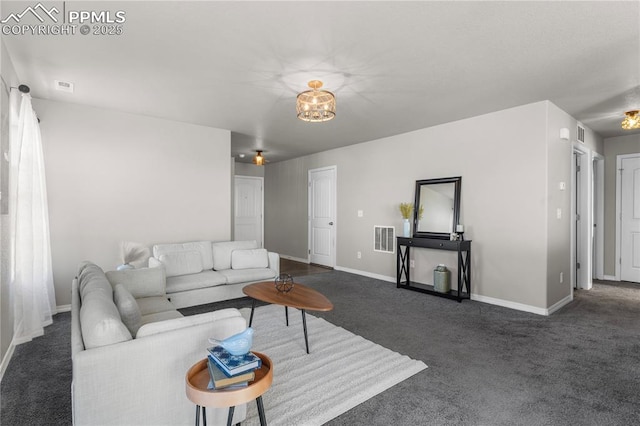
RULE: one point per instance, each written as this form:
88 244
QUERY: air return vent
580 133
64 86
384 239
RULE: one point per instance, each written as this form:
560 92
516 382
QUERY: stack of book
231 371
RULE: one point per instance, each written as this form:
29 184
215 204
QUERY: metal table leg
230 416
304 325
263 419
253 307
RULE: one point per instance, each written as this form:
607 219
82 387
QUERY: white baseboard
366 274
559 304
295 259
476 297
520 306
63 308
6 359
610 278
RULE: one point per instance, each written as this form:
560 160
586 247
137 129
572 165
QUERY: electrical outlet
359 255
559 213
412 263
561 277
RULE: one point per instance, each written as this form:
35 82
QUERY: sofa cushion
160 317
203 247
92 278
249 258
222 252
100 321
128 308
181 263
153 305
143 282
194 281
188 321
235 276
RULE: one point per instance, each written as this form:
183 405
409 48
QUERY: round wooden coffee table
300 297
197 380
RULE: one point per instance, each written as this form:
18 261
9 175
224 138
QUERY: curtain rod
23 88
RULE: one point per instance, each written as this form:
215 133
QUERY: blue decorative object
124 267
284 283
238 344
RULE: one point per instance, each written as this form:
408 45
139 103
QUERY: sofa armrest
188 321
274 262
141 381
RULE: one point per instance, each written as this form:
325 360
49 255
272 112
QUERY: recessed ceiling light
64 86
241 155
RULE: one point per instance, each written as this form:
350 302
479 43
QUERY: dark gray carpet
487 365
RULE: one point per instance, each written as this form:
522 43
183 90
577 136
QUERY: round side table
197 380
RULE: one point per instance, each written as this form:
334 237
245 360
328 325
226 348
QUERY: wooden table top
197 380
300 296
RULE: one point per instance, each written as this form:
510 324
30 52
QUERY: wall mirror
440 199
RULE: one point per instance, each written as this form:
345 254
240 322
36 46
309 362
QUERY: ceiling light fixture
316 105
258 160
632 120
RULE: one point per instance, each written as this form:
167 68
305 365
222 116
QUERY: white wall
559 155
246 169
115 177
502 158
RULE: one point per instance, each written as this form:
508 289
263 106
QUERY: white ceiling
394 66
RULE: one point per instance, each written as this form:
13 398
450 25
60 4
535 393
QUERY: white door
630 220
322 216
248 209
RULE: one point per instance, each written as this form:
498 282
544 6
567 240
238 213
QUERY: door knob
330 223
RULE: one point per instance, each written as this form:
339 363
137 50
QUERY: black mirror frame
456 207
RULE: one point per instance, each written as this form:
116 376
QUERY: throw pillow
128 308
204 247
246 259
222 252
181 263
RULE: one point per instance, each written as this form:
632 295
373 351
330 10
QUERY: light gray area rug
341 371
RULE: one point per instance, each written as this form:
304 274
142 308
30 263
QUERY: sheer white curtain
32 277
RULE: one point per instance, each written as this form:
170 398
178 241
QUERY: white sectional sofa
202 272
131 349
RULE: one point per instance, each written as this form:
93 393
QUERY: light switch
360 213
562 186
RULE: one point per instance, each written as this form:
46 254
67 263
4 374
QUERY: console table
463 248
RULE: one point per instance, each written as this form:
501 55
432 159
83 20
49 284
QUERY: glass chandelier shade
258 160
631 120
316 105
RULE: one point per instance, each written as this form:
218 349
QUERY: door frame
334 196
582 254
235 182
598 212
618 244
